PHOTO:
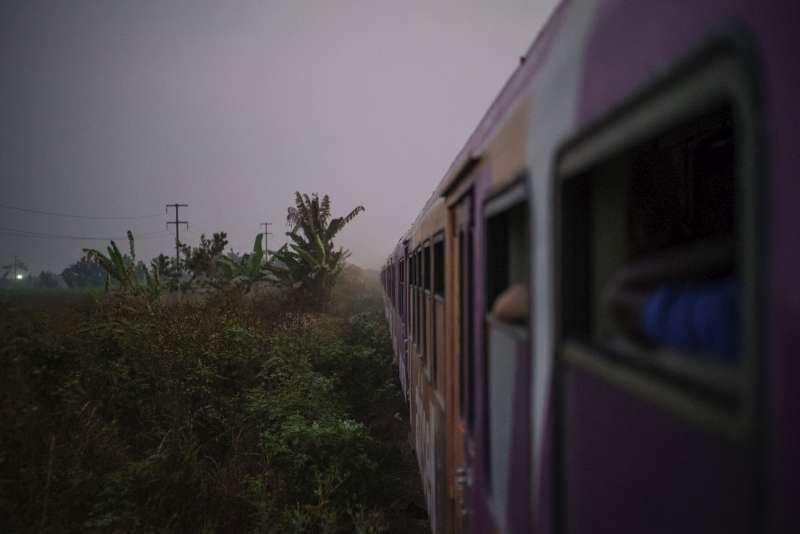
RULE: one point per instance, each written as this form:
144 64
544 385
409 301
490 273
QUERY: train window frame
427 265
406 296
417 291
411 299
394 284
439 265
425 252
401 276
420 299
501 203
438 240
391 284
720 73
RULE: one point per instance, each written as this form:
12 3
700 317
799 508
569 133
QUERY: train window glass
465 320
507 301
402 288
419 300
462 323
412 275
658 249
426 284
427 270
470 314
413 269
438 268
404 270
410 307
437 307
660 240
507 261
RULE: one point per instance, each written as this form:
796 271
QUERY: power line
26 233
73 216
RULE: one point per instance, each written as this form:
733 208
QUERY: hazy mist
117 108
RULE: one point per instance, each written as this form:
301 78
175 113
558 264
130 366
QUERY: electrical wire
44 235
72 216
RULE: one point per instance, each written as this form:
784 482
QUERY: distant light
20 277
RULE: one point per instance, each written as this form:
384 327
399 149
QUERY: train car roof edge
497 111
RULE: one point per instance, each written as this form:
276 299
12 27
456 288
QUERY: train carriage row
595 314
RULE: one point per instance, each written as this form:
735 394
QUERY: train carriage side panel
726 459
772 27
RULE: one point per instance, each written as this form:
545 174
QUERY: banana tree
122 269
244 272
310 261
151 286
118 268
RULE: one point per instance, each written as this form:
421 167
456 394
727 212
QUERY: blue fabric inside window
701 319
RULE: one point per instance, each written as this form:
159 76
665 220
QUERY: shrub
227 414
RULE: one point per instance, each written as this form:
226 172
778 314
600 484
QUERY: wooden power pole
177 222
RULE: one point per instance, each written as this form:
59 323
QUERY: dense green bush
228 414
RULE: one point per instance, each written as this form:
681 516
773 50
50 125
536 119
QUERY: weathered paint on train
579 448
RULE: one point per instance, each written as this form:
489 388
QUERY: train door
462 357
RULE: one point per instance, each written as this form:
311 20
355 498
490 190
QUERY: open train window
411 299
507 323
417 298
437 306
402 289
427 263
420 298
426 285
465 300
391 284
657 243
507 256
438 267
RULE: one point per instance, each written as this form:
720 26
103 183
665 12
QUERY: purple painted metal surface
544 521
663 31
519 506
475 455
632 468
783 398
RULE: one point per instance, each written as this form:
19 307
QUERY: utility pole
15 268
177 222
267 233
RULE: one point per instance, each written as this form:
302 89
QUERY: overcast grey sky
116 108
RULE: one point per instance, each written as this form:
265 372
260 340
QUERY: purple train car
596 315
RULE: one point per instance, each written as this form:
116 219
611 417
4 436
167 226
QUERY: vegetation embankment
234 414
267 410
